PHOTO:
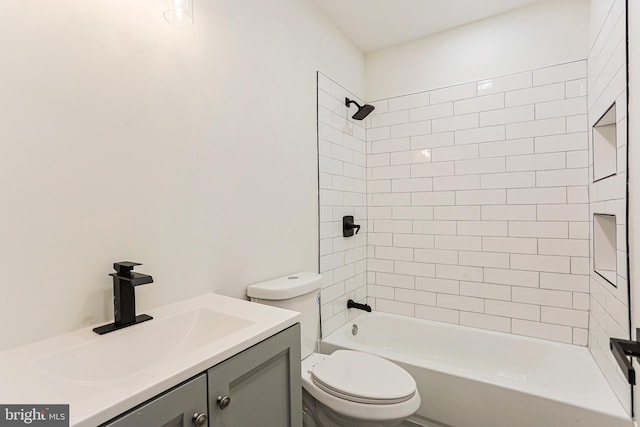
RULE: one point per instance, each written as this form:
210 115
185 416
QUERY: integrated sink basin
126 352
103 376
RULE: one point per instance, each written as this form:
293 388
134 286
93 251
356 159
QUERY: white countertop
45 372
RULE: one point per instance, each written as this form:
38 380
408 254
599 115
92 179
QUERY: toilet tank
298 292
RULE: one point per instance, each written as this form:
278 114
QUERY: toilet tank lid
289 286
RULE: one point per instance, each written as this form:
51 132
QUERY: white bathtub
474 378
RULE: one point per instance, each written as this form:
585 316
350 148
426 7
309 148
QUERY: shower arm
348 103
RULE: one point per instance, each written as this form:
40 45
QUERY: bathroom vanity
208 361
259 386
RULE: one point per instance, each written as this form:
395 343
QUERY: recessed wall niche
604 247
605 145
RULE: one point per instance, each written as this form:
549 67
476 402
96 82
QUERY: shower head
363 110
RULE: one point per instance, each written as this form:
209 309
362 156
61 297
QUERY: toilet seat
363 378
377 412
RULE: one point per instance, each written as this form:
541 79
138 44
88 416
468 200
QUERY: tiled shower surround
342 177
607 83
478 204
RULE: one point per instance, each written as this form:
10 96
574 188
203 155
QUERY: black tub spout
352 304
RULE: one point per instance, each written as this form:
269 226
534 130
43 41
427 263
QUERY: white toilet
346 388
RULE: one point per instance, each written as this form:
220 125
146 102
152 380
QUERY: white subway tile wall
342 157
478 207
609 305
476 203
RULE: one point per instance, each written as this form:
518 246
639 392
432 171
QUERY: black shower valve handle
353 226
348 226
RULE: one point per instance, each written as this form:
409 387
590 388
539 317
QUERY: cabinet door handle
223 402
199 419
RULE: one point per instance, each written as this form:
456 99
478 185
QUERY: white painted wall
190 150
540 35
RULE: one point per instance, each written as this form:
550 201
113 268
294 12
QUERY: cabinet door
262 385
174 408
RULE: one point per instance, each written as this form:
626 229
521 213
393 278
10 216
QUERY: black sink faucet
124 297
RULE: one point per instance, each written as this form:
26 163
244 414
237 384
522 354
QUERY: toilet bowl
346 388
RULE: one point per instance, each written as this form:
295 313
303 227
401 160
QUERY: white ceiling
375 24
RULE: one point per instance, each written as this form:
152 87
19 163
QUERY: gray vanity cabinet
175 408
259 386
